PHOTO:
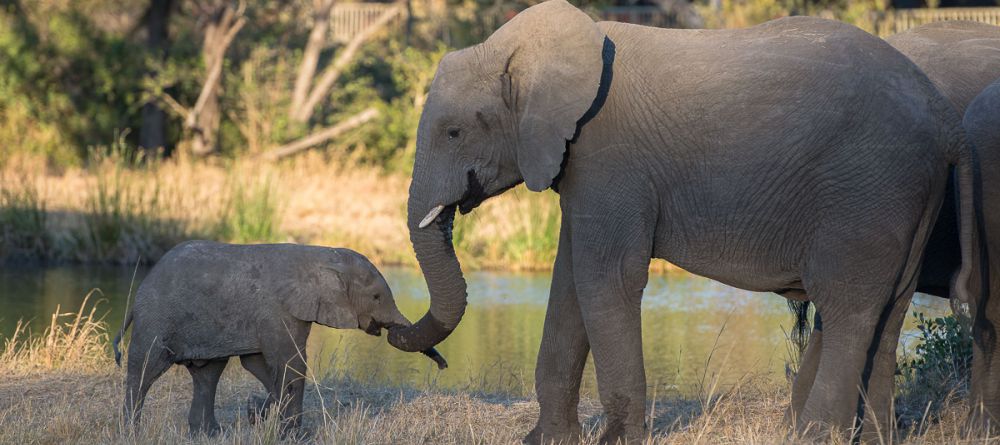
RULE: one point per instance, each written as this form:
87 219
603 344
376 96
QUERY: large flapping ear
553 72
322 296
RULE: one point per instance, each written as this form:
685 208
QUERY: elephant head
345 292
497 114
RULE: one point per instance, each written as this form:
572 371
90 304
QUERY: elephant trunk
399 321
436 256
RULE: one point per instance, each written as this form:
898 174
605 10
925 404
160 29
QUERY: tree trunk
152 134
310 56
206 114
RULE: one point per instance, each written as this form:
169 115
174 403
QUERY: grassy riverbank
117 212
61 386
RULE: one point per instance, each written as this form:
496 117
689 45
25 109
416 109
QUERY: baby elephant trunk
401 322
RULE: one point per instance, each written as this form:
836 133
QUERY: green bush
251 213
940 369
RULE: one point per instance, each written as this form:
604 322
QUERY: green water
695 331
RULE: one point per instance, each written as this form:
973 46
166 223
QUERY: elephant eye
377 296
454 133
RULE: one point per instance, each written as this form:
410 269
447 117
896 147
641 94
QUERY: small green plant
940 369
124 216
252 213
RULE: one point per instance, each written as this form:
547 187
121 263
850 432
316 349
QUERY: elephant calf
205 302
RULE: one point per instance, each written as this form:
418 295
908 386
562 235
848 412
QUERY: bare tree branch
215 71
332 72
175 106
322 135
310 57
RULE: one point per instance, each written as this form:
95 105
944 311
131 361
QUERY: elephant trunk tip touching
436 356
423 335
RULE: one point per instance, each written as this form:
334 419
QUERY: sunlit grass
23 217
120 210
252 212
62 386
72 341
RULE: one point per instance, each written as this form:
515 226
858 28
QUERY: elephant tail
118 338
800 330
972 236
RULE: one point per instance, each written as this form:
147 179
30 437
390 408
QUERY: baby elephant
204 302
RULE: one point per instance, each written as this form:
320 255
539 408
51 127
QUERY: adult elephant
961 58
801 155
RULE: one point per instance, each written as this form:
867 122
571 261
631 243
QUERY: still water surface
694 330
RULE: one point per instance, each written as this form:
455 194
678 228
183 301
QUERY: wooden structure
899 20
350 19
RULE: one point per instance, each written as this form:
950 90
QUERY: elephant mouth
374 328
475 193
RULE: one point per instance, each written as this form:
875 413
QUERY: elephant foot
550 435
256 409
620 433
211 430
295 431
982 422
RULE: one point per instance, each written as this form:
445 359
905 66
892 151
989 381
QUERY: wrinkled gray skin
961 58
801 155
204 302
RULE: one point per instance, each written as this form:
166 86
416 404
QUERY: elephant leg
611 267
879 415
257 407
848 334
562 355
808 366
201 418
146 363
290 366
984 416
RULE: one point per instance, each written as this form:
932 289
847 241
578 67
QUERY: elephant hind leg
145 365
863 299
806 375
201 418
848 334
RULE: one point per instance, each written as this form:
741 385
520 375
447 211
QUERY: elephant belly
755 268
198 339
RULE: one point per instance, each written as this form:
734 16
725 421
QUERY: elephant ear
553 73
321 296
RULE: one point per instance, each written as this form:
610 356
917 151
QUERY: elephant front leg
290 386
611 270
561 357
257 407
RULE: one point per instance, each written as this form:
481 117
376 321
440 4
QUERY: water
695 331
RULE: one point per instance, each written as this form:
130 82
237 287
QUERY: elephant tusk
431 216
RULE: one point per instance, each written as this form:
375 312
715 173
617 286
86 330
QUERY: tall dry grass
119 211
62 387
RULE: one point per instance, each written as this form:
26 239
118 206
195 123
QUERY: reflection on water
694 329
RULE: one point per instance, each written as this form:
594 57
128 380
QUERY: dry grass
63 387
114 212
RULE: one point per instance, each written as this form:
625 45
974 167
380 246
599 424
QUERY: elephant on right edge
961 58
802 156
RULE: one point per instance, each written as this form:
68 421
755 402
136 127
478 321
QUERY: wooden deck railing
640 15
350 19
899 20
